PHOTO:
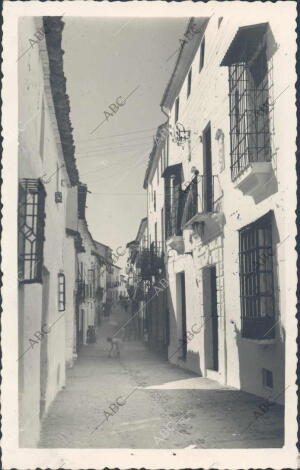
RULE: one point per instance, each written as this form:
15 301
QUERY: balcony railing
145 264
199 197
151 260
157 256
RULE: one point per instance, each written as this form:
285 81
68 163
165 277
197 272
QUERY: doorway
207 171
211 331
44 361
183 339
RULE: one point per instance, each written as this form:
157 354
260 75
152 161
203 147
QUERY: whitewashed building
47 255
224 223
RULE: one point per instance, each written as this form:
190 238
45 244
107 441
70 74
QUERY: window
176 110
202 52
61 292
189 83
249 84
249 114
256 279
31 222
173 201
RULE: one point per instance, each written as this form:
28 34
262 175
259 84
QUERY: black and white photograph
149 245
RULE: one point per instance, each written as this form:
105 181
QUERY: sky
105 59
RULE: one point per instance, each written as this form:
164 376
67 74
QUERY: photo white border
22 458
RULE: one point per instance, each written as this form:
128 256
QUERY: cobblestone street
160 406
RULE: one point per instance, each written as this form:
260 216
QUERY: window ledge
253 179
206 225
175 242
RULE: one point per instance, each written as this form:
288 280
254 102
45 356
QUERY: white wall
36 164
240 360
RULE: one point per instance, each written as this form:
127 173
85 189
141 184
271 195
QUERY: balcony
141 291
202 213
157 256
144 264
151 261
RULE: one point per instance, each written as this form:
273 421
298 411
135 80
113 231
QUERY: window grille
256 280
31 222
249 112
61 292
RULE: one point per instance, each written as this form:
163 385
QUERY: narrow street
197 411
151 286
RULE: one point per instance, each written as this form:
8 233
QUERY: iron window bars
249 112
61 292
256 279
31 223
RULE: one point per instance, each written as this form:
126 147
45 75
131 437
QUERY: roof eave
184 60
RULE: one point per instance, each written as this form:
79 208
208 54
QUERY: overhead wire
112 149
116 135
140 161
114 175
112 144
108 167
